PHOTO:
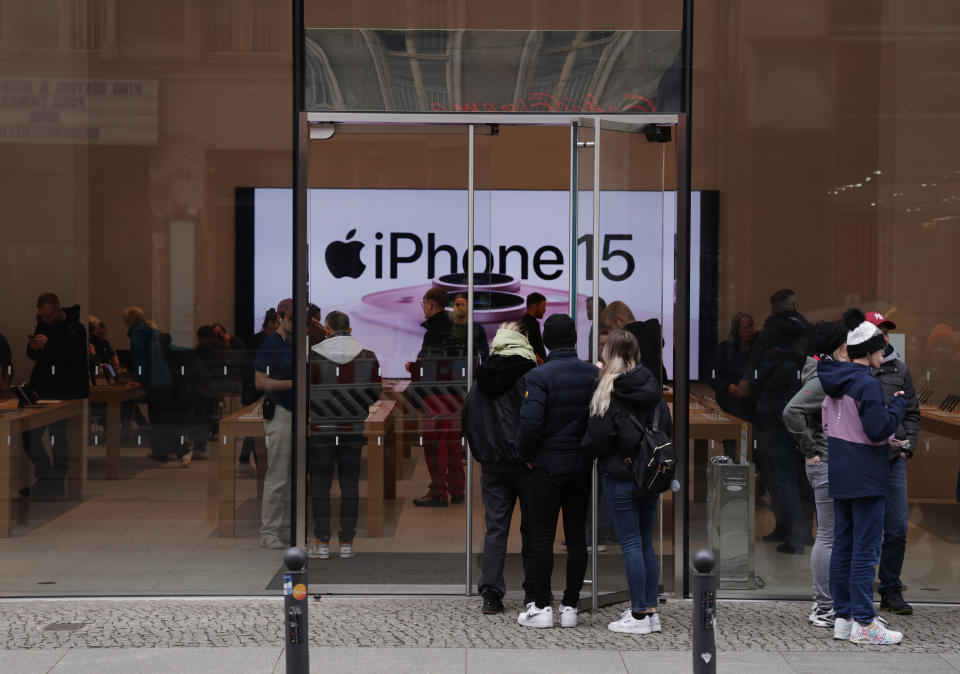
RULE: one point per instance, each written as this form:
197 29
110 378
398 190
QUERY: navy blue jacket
553 414
859 426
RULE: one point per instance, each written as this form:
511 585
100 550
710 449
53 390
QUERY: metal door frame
316 125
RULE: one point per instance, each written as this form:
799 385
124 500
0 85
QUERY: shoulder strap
656 417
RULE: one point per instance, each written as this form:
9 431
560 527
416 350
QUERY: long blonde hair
621 354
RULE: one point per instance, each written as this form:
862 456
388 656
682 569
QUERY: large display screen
373 254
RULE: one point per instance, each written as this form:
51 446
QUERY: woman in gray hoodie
802 418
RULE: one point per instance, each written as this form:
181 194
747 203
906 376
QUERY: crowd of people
837 417
834 406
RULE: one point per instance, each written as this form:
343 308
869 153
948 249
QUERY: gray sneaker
272 543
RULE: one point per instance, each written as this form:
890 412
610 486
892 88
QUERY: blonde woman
628 393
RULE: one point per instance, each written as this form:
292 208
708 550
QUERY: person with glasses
58 348
434 374
895 376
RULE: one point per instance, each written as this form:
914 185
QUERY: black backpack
655 467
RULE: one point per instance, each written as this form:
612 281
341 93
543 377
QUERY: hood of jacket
73 313
339 348
836 376
500 372
809 369
789 323
512 343
890 354
637 388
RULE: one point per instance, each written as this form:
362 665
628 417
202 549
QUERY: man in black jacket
436 374
58 348
536 308
894 375
773 377
553 419
490 417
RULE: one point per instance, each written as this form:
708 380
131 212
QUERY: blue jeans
632 513
857 531
894 528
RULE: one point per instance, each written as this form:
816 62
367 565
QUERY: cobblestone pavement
779 627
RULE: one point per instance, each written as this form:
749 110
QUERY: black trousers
49 470
500 493
325 453
549 496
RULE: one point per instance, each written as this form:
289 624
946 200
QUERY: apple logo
343 257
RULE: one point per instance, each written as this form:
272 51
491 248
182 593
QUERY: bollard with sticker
296 634
703 586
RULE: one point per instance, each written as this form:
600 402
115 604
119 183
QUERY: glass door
623 234
386 485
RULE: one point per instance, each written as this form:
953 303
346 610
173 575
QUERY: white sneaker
318 549
568 616
822 616
842 628
874 633
536 617
346 550
246 470
630 625
655 623
185 459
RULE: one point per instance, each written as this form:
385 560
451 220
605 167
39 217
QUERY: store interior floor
148 534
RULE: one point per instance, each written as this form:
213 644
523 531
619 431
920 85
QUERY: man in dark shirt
458 330
274 376
249 393
536 308
100 347
435 373
773 377
58 348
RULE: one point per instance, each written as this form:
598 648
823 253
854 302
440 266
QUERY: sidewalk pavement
441 635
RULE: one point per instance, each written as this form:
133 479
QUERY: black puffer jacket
776 363
553 416
491 413
894 376
614 435
61 371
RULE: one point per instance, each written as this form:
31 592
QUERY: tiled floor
148 534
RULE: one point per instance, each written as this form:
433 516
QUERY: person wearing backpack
628 397
489 420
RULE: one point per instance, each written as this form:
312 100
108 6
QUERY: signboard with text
68 110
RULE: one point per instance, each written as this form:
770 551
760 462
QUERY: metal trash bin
730 522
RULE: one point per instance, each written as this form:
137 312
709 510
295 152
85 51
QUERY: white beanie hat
863 337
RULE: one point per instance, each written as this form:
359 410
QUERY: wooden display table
15 421
381 449
938 422
113 396
706 425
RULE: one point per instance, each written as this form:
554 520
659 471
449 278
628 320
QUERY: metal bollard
296 635
703 585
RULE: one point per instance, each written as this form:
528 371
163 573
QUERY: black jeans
49 471
325 453
549 495
500 493
790 492
165 435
